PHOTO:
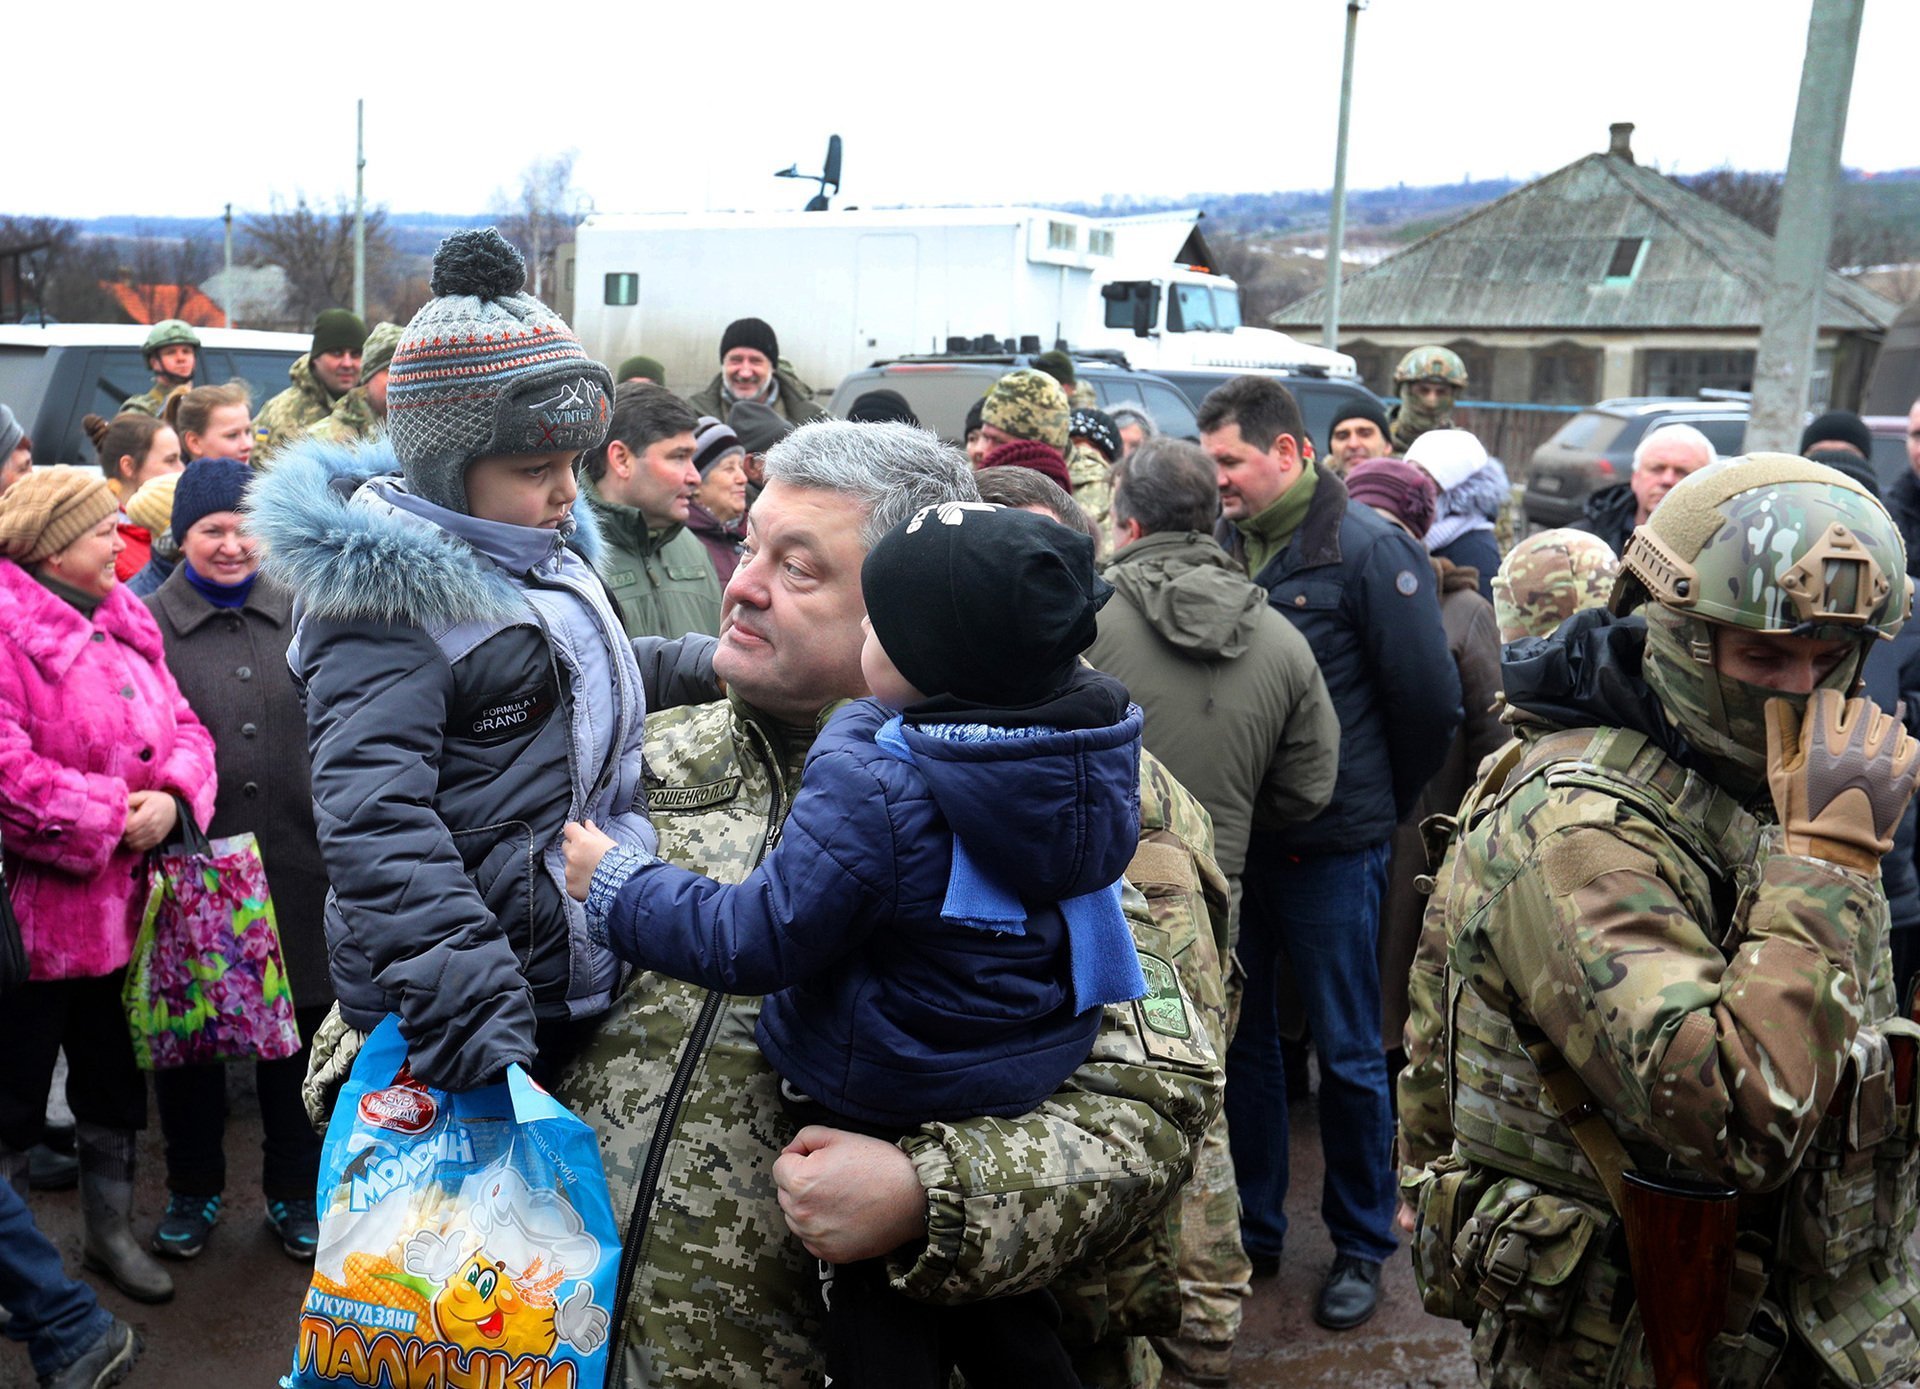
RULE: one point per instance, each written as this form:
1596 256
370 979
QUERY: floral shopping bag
207 981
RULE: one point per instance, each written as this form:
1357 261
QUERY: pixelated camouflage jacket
151 402
350 420
1091 476
288 415
713 1289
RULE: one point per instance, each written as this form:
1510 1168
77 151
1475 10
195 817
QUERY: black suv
941 389
53 377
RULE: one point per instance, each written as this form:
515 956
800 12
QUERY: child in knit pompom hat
468 686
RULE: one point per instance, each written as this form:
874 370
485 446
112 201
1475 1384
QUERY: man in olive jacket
640 483
1235 703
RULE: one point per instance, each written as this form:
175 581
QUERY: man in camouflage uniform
327 371
172 351
1428 380
1663 904
713 1290
1029 405
362 412
1547 578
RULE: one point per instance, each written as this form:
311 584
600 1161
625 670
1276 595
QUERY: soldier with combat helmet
1547 578
172 351
1658 942
1428 380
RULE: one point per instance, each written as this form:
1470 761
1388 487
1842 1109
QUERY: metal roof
1539 258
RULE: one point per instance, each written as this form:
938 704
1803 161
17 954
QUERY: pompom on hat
486 369
49 509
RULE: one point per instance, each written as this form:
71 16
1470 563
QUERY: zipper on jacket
641 1216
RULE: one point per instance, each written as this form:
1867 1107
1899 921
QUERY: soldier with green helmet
1429 380
362 412
172 350
319 377
1547 578
1658 945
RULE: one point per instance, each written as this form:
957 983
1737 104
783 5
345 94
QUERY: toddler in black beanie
941 918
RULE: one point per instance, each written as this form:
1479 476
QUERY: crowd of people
930 866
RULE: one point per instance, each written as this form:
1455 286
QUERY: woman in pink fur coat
98 752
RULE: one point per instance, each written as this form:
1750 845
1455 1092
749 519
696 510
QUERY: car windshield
1226 308
1590 431
1192 309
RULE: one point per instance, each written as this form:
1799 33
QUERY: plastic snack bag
464 1238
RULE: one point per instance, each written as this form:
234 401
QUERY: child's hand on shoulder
585 846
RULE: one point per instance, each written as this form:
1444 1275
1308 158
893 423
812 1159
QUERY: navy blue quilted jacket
885 1012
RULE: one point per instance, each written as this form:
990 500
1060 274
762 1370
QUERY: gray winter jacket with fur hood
468 690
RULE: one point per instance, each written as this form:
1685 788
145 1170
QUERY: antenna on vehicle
830 173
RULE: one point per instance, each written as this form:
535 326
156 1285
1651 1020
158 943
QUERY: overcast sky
693 106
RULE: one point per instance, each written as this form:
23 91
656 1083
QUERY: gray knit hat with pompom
486 369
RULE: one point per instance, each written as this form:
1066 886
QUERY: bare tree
1753 198
540 218
314 246
164 270
1270 277
57 269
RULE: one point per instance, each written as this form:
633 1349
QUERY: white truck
844 288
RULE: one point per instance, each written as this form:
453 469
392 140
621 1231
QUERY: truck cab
1191 319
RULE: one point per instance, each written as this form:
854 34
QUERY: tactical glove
1841 775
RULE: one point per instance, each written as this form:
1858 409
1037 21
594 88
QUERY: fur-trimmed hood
347 552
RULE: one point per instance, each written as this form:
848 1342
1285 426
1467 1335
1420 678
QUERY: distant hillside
414 233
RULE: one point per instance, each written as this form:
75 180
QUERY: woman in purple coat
98 755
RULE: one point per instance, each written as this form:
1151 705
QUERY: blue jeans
1323 912
57 1318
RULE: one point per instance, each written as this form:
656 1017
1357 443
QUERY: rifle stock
1680 1237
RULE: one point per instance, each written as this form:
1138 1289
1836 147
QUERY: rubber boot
14 1164
106 1205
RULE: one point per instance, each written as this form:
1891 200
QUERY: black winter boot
106 1205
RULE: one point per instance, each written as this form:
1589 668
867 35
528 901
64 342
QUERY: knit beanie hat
1448 456
484 369
1097 428
713 444
10 433
377 355
985 603
49 509
1838 426
337 330
208 485
1852 464
1397 488
642 368
878 407
974 413
1030 453
1355 409
759 426
151 505
1028 404
1056 364
750 332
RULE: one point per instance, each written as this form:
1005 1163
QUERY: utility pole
360 209
1337 220
226 300
1789 321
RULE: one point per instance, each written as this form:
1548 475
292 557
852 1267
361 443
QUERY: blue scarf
220 595
1100 948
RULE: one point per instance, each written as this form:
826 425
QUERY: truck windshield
1191 310
1226 308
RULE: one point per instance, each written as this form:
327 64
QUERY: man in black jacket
1362 593
1664 456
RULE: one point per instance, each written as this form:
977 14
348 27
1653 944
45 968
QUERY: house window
1686 373
1626 259
1565 373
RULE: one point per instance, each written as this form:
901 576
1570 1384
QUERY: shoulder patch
1162 1009
1406 583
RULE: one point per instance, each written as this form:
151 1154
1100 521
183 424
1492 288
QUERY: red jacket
88 713
133 559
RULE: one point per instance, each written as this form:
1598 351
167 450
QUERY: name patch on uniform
693 797
1163 1010
501 720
